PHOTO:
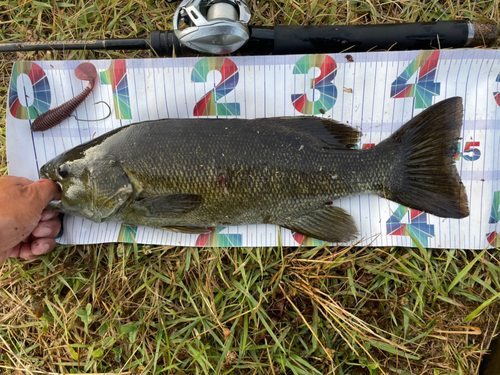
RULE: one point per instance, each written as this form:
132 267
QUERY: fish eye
62 172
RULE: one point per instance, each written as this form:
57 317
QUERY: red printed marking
415 213
399 231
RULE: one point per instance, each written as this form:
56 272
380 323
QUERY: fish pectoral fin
190 230
167 204
333 134
329 223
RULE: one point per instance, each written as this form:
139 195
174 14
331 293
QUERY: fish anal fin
190 230
333 134
167 204
328 223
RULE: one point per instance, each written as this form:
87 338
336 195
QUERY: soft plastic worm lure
85 72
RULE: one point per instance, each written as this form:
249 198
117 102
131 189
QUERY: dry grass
166 310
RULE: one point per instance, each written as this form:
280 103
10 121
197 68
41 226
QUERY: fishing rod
221 27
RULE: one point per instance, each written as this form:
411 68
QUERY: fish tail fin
425 177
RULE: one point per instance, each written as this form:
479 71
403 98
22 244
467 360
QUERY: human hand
27 229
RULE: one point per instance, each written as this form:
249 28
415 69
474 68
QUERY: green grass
173 310
97 309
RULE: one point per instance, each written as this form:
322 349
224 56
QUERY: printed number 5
209 105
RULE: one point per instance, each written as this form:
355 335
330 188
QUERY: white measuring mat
377 92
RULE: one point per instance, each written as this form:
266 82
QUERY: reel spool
214 26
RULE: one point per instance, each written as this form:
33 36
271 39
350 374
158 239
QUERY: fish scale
192 174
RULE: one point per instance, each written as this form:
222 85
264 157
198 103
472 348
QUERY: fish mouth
44 172
47 172
45 175
54 205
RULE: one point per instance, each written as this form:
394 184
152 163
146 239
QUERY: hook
101 119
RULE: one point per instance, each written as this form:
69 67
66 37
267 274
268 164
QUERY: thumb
45 191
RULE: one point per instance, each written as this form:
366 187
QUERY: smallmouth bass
189 175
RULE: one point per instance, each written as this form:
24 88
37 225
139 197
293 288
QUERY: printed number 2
425 88
209 105
323 83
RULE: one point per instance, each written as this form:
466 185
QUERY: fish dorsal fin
333 134
328 223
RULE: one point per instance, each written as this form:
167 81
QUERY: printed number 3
323 83
209 105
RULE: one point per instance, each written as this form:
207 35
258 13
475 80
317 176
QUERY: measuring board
377 92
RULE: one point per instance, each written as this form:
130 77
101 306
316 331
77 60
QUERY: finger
49 228
26 253
17 180
45 191
27 239
49 215
12 253
43 246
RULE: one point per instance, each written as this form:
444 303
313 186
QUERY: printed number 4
416 226
424 88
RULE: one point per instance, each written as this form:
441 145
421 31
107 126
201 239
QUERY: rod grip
352 38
